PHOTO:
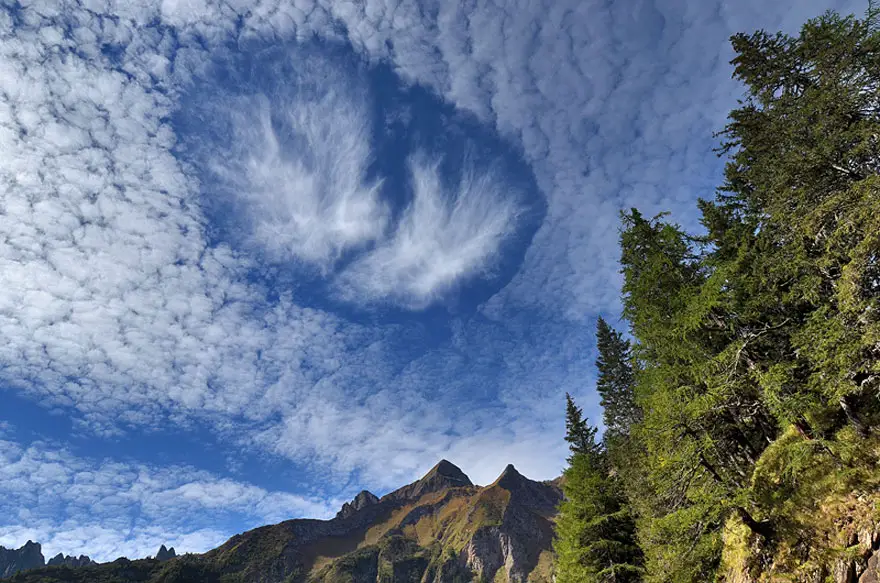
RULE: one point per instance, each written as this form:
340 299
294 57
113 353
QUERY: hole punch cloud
381 199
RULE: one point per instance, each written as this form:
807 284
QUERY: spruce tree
581 437
616 382
764 331
595 533
802 191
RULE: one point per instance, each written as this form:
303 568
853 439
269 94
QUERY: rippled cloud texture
350 237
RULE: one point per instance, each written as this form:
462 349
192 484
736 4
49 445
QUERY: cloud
614 105
446 234
114 304
294 160
108 509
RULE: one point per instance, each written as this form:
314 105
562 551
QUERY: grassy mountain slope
440 528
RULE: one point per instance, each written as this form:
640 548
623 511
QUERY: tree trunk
803 427
853 417
710 469
763 529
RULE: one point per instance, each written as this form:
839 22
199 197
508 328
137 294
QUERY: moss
821 496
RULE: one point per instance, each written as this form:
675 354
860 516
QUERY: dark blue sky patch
404 122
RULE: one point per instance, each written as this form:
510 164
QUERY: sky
259 255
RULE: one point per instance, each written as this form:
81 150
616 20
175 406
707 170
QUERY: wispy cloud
446 234
294 161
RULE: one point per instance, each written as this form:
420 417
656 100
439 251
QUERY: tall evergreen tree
581 437
803 179
616 382
595 533
694 462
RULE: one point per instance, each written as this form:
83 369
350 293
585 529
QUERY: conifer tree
616 382
581 437
767 327
802 195
595 533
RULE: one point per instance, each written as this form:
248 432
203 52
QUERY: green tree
702 430
595 534
804 178
769 324
616 382
581 437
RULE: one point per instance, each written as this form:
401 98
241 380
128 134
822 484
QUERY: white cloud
613 103
108 509
446 234
297 161
106 544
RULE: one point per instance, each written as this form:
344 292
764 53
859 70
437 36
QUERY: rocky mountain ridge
30 556
441 528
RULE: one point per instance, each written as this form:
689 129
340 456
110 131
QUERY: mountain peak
362 500
510 478
164 554
69 561
510 473
443 475
448 470
28 556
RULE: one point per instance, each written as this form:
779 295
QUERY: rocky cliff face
13 561
61 560
165 554
525 531
360 502
839 542
439 529
30 556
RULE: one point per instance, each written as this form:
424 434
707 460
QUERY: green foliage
581 437
360 566
595 533
749 395
119 571
615 383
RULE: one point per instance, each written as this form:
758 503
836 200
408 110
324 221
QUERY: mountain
30 556
61 560
27 557
165 554
441 528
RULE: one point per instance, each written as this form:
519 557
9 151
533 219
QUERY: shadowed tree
616 382
595 533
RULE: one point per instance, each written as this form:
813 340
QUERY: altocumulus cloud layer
193 239
124 509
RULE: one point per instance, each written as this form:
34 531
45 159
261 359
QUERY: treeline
747 400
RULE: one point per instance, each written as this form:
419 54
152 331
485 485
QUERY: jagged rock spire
362 500
164 554
442 476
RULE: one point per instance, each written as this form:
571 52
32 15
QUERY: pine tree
581 437
595 533
616 382
702 432
804 178
765 330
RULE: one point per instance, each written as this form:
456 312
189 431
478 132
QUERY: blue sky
257 256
